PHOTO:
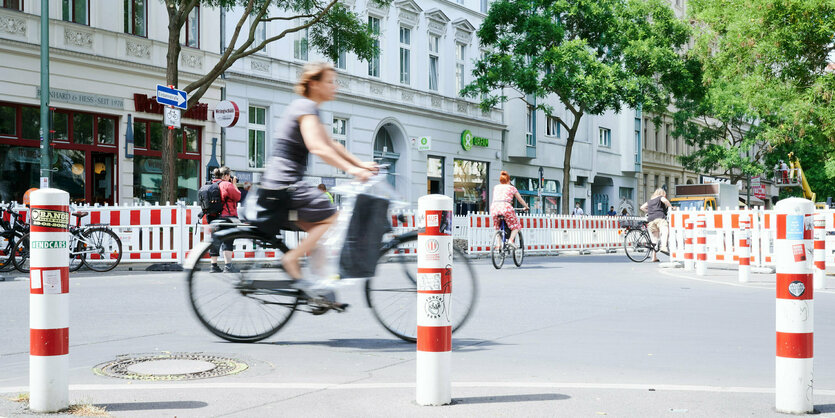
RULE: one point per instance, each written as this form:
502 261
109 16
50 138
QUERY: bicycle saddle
80 215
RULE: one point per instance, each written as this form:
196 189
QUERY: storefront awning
755 201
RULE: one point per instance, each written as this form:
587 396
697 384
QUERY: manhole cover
170 366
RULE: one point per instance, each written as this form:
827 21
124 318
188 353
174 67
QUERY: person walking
503 195
578 211
229 197
656 209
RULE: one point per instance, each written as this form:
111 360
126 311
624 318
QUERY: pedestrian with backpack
219 201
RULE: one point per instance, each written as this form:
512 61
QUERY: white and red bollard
795 307
688 245
434 286
744 248
49 305
701 245
819 256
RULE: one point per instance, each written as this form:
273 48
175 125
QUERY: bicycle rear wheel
6 249
102 249
246 306
77 254
519 251
392 292
636 245
20 254
497 253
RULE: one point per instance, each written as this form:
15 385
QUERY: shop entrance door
103 178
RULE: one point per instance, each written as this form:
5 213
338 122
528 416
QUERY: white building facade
106 59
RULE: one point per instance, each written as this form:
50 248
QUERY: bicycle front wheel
249 303
497 253
636 245
20 254
6 249
102 249
392 292
519 251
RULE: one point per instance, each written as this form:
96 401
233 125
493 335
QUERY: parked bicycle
257 301
11 232
500 248
637 242
95 246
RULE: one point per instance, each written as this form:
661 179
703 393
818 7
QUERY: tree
592 55
333 29
764 90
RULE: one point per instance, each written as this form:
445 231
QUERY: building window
434 47
341 61
484 5
435 175
605 138
657 136
529 138
13 4
136 13
374 63
460 51
257 150
300 42
147 162
260 33
75 11
668 138
471 186
645 137
340 130
552 128
192 29
638 141
626 202
405 55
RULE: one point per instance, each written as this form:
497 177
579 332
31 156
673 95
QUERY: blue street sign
171 97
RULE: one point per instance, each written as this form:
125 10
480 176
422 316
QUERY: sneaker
228 268
512 245
216 269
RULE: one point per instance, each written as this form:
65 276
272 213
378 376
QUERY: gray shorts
311 204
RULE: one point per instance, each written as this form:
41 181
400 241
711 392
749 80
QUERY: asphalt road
562 336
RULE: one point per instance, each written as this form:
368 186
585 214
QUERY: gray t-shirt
289 158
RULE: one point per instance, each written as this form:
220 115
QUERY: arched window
384 152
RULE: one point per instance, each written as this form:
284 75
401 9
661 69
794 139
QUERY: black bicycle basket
364 237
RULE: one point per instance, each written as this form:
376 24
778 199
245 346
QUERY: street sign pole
44 131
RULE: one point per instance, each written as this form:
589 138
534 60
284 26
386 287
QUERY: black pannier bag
268 209
364 237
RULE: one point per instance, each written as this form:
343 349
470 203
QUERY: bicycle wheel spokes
392 293
497 253
102 249
636 245
20 255
234 306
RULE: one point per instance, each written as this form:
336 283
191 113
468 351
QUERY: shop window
61 126
75 11
19 170
8 121
31 122
68 173
147 163
140 135
435 175
192 138
106 131
471 187
136 13
12 4
82 128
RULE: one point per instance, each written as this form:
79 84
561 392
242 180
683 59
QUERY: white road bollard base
434 386
794 385
48 391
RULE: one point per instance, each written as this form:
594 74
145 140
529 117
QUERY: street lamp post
44 130
541 185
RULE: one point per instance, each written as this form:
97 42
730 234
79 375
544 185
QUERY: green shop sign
468 140
48 245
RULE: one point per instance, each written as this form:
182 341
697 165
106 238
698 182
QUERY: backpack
211 202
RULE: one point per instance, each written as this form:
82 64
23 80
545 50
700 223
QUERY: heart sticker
796 288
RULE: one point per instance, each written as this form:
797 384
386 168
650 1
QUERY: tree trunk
168 192
566 164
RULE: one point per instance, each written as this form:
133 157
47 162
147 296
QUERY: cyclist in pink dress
503 194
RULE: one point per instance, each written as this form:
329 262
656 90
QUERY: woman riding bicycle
503 194
300 131
656 209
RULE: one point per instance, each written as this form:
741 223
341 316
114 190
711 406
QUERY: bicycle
95 246
637 243
253 304
11 232
500 248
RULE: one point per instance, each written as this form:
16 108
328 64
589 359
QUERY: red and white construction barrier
701 244
49 305
689 259
434 328
819 251
795 307
744 246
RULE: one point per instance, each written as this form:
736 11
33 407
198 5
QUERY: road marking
750 285
378 386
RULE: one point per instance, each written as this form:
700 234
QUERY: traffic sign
172 97
171 117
